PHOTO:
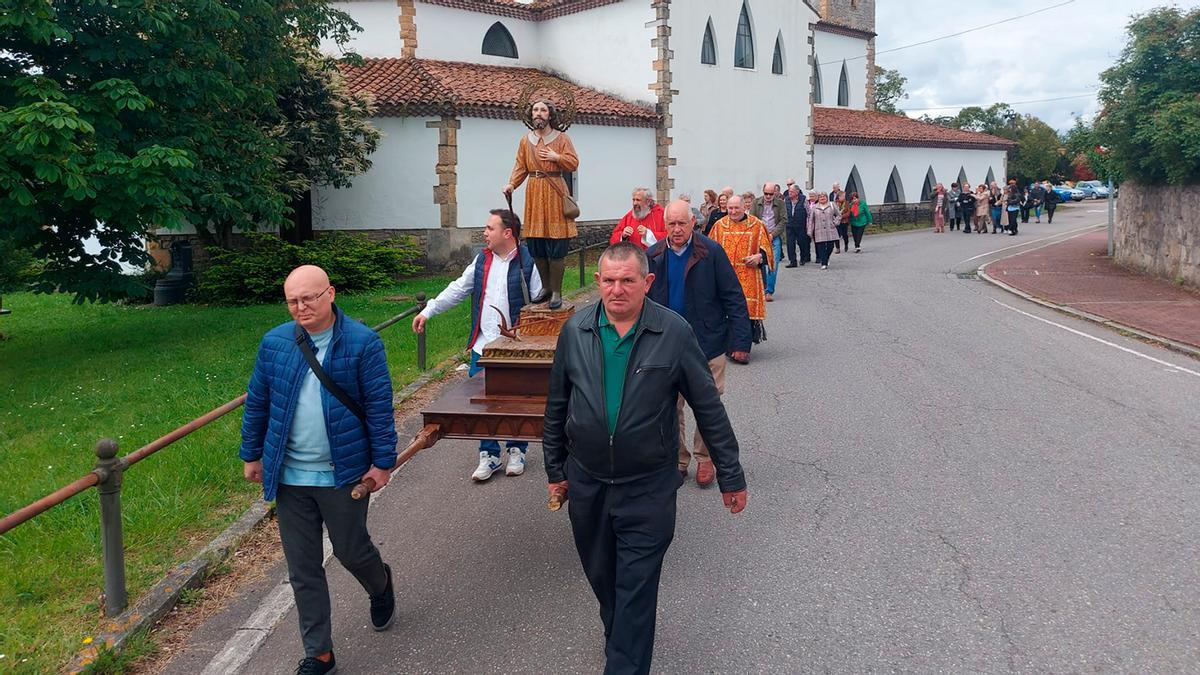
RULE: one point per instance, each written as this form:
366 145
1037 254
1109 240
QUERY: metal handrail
109 472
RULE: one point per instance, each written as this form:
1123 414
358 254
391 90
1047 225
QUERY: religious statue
543 155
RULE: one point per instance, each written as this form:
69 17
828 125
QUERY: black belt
545 174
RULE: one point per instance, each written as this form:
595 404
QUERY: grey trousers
301 512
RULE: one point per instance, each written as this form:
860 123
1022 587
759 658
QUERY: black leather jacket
664 362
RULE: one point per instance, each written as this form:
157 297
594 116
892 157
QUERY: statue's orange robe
544 196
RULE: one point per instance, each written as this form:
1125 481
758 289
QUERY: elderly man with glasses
309 434
769 208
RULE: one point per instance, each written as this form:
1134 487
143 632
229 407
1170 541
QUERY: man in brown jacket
769 209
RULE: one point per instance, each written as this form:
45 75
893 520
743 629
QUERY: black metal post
110 469
582 264
421 303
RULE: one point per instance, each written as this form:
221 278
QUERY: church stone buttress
663 183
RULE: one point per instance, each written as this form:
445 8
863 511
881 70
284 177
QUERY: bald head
678 209
306 274
309 297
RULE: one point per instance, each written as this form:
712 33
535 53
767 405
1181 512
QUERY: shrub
18 267
256 274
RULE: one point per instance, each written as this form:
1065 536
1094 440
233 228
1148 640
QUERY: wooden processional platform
508 400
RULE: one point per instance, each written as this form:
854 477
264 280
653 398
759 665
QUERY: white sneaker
516 463
488 465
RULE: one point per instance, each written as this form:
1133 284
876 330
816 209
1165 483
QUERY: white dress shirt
495 292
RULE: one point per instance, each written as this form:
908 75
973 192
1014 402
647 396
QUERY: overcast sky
1059 52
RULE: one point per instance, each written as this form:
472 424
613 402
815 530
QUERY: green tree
118 117
1150 99
1038 148
889 90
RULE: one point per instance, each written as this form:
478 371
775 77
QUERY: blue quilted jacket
356 361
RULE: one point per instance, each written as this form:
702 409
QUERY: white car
1093 188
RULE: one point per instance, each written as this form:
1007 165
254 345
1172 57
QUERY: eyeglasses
768 194
307 300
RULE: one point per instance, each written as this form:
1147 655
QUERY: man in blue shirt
694 277
309 450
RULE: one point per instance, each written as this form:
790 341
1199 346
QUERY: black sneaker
313 666
383 606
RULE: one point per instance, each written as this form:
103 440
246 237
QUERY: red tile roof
845 126
535 10
412 87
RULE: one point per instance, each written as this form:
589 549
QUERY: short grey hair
622 251
644 191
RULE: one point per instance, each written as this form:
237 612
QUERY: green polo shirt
616 362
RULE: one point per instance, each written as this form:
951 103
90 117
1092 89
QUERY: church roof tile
412 87
846 126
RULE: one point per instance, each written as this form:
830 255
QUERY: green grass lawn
70 375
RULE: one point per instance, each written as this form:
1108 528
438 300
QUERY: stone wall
1157 231
893 214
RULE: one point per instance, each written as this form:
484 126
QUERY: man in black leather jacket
611 434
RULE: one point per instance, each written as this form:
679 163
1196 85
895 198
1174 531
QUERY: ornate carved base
541 320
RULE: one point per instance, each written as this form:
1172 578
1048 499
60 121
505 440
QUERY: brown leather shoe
705 474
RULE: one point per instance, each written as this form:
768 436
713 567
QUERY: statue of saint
543 155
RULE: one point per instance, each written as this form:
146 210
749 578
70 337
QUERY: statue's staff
520 258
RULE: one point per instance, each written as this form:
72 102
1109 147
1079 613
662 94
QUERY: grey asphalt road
943 478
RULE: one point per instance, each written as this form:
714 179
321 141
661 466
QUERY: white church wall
734 126
380 36
832 50
874 164
451 34
397 193
607 48
613 160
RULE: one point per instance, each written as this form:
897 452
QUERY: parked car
1068 192
1063 192
1093 188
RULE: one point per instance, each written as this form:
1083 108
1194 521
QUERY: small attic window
499 42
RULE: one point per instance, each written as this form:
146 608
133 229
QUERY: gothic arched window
499 42
844 87
816 80
708 48
894 193
854 184
743 47
777 59
930 184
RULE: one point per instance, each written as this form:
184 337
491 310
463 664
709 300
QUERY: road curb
163 596
1167 343
159 600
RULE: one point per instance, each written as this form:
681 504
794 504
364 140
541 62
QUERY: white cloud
1057 53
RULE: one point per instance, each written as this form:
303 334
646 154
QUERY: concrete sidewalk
1077 276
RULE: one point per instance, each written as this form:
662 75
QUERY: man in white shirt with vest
493 279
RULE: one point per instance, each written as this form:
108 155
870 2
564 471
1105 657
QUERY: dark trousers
824 250
1012 222
798 237
1025 212
844 233
301 511
857 231
1050 211
622 531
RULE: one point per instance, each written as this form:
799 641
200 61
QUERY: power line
977 28
962 32
980 105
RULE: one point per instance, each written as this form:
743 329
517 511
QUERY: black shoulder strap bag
340 394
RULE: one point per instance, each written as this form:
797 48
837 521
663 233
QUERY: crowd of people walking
973 211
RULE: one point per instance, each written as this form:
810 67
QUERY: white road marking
1027 243
1170 366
